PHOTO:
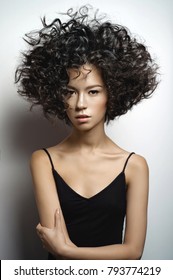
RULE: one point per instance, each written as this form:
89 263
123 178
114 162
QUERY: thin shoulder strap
49 157
127 160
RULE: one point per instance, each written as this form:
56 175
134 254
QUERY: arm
136 221
45 191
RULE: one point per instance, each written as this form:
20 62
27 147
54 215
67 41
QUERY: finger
56 218
39 227
40 230
58 225
39 235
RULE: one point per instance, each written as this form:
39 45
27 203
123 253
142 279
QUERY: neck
88 140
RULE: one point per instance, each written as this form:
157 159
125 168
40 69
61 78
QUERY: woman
88 72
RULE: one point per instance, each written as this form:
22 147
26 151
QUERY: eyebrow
89 87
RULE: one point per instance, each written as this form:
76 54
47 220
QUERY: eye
93 92
70 92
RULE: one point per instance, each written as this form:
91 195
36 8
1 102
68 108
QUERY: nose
81 102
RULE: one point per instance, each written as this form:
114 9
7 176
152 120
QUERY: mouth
83 118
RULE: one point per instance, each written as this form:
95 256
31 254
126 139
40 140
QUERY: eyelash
70 92
92 92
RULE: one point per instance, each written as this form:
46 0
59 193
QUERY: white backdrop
145 130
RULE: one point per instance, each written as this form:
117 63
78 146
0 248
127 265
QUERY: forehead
86 73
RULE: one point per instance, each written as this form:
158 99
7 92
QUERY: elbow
136 254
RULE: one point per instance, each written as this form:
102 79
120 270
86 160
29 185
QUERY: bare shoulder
38 157
137 168
40 162
138 162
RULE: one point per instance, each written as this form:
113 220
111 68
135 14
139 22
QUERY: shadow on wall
30 131
25 133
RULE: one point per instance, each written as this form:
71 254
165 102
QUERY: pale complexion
94 155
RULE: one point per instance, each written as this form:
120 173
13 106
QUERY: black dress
94 221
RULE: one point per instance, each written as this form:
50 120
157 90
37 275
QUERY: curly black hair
128 71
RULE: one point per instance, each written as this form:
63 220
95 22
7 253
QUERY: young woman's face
86 97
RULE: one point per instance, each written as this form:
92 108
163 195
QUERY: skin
95 155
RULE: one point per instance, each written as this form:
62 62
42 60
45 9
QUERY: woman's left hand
53 239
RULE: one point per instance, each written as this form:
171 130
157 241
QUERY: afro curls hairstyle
128 71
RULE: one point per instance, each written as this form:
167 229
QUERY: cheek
69 112
102 106
71 104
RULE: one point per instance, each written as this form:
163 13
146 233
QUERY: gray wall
146 129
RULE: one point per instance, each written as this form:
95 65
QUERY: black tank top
95 221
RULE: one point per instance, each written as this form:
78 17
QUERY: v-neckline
95 195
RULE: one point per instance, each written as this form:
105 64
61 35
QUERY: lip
82 116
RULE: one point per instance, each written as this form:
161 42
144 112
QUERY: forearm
110 252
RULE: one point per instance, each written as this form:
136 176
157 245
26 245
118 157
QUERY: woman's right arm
45 191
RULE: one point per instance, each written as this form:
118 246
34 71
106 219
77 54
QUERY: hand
54 240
